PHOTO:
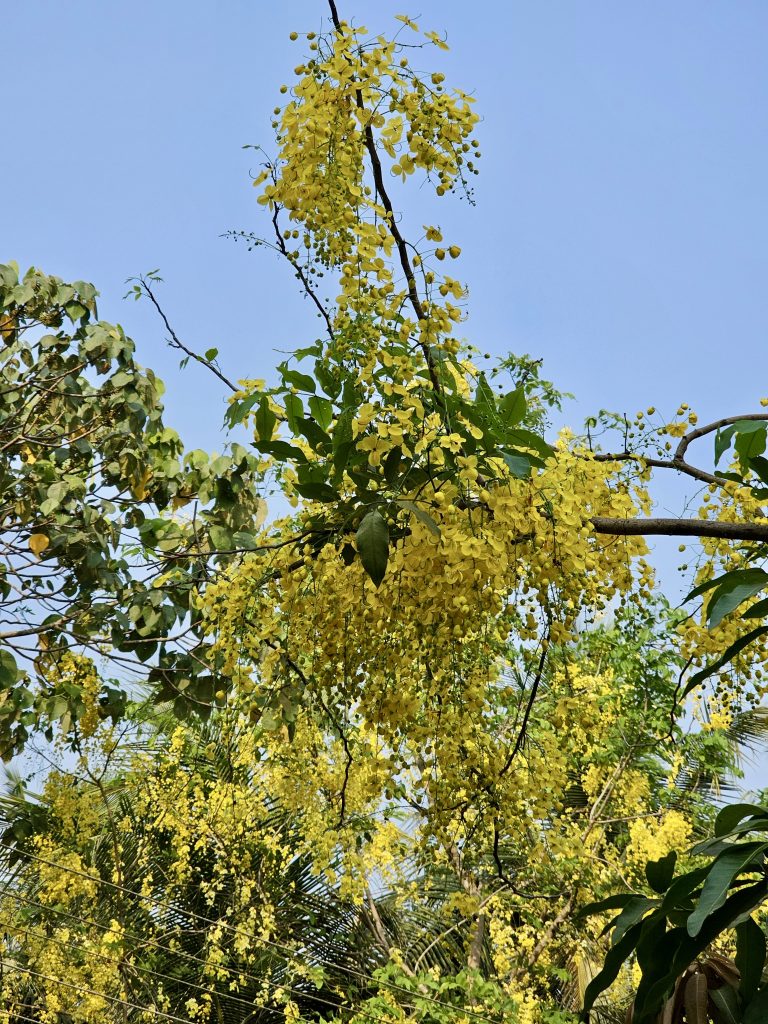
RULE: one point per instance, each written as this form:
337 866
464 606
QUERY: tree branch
400 243
678 461
680 528
175 342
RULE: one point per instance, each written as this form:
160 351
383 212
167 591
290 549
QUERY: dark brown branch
677 464
305 282
708 428
400 243
175 342
678 461
529 707
680 528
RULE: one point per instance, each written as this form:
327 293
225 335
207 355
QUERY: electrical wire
250 935
190 984
94 992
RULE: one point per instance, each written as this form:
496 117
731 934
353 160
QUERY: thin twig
175 342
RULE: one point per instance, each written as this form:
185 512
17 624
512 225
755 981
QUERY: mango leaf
758 610
611 966
730 652
720 878
373 545
726 1002
729 817
750 957
757 1011
735 587
661 872
618 900
632 913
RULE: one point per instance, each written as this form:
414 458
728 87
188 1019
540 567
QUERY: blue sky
620 231
620 227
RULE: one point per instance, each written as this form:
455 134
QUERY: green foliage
94 552
672 931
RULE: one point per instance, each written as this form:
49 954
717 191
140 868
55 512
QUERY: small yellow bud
455 252
293 36
440 254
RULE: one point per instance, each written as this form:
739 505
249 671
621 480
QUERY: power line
190 984
154 901
94 992
252 1004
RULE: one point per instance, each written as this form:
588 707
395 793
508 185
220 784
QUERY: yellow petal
38 542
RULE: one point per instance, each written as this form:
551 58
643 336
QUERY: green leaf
322 410
736 586
281 450
611 966
723 442
727 1003
420 514
298 380
309 429
750 441
757 1011
373 545
721 875
513 407
265 420
758 610
630 915
518 465
392 464
221 538
243 539
759 466
211 353
730 652
609 903
294 410
527 439
661 872
485 399
9 670
318 491
729 817
750 957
